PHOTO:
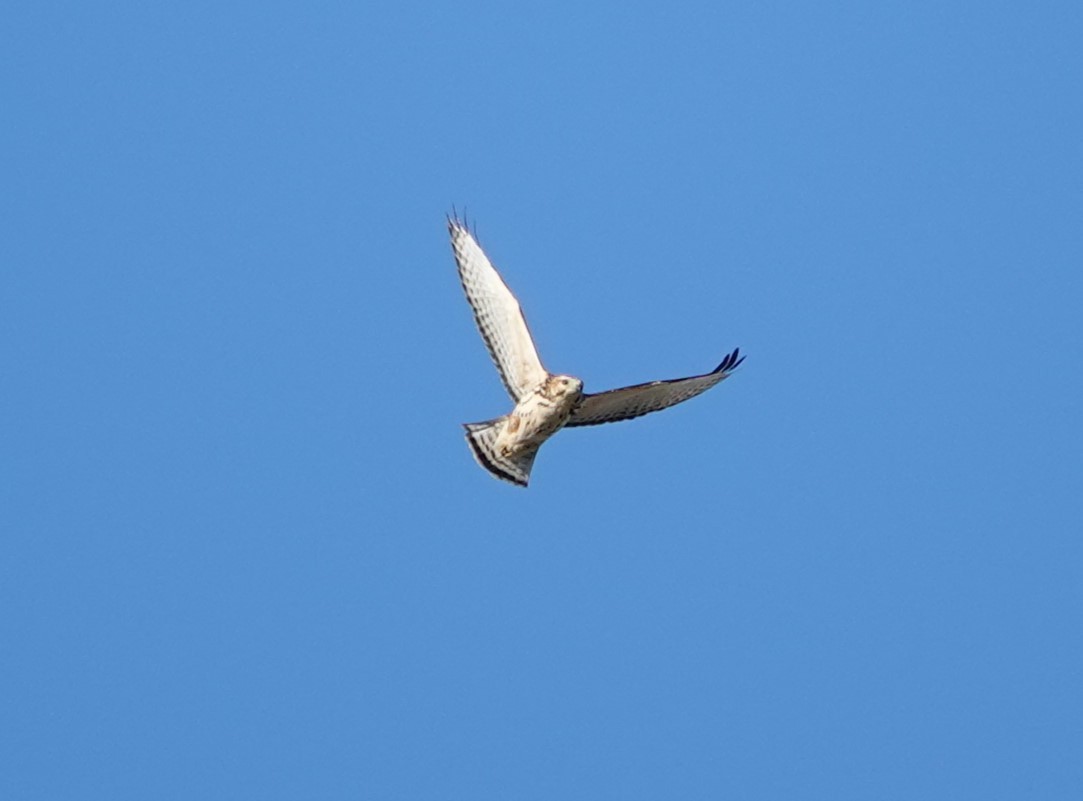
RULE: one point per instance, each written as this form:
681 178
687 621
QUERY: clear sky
244 549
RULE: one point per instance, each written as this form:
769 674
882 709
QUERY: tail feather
482 440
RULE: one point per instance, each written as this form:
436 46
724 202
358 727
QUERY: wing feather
497 314
641 399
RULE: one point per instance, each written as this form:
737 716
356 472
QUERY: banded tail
482 440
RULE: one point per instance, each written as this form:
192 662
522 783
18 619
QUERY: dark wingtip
730 362
460 222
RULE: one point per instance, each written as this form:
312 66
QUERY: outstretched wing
497 313
629 402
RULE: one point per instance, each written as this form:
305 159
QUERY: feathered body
507 446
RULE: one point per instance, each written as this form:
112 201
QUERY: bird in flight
544 402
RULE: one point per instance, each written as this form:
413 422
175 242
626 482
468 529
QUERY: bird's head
565 386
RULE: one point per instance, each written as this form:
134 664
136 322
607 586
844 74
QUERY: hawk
544 402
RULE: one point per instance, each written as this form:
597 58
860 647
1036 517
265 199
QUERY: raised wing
497 313
635 401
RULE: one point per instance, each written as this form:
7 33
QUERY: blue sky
245 552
